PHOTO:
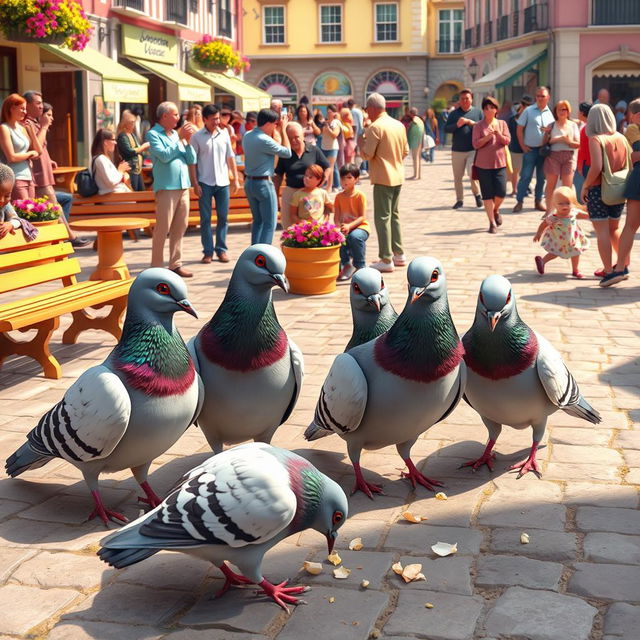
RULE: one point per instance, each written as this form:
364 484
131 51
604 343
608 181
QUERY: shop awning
119 84
190 89
251 98
506 73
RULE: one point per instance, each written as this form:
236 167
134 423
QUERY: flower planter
17 35
312 271
44 223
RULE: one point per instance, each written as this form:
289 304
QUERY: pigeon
251 370
131 408
392 389
371 309
515 376
234 507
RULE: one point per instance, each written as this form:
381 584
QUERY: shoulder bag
86 185
613 184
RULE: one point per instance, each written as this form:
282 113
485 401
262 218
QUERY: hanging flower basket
218 55
61 22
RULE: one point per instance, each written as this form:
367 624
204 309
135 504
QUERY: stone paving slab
582 517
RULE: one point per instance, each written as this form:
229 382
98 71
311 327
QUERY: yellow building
335 50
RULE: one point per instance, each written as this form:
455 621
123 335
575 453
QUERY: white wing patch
343 397
558 383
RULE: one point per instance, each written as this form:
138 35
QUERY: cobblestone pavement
577 579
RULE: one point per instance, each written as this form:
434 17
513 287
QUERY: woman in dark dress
129 148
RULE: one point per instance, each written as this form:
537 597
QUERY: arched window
281 86
392 85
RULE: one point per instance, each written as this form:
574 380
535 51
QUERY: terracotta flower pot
312 271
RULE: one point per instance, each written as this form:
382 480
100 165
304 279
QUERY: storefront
331 87
281 86
394 87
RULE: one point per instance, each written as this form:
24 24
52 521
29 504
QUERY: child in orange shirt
350 215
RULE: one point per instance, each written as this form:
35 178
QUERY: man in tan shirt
384 144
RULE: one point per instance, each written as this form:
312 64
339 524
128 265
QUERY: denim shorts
598 210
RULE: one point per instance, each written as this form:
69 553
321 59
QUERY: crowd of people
307 166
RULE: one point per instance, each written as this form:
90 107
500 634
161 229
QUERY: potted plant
218 55
38 211
61 22
312 250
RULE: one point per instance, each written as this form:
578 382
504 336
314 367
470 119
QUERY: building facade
575 48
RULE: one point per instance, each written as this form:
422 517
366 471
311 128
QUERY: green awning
119 84
251 98
506 73
190 89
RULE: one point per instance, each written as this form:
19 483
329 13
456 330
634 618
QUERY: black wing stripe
73 434
327 420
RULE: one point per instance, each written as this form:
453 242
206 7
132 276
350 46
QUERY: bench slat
46 234
27 277
33 256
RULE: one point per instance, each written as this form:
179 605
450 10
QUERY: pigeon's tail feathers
582 409
23 459
314 432
120 558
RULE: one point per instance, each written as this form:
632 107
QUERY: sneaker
346 272
382 266
540 265
457 205
479 201
612 278
399 260
517 208
78 243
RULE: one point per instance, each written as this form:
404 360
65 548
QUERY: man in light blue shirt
259 151
532 124
171 154
212 146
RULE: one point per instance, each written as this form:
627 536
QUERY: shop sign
149 45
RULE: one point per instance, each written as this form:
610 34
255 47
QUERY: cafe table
65 178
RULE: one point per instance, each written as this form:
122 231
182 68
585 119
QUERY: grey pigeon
371 309
515 376
131 408
392 389
235 507
251 370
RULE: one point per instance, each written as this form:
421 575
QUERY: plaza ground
577 579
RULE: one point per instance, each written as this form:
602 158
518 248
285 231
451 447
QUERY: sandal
600 273
540 265
577 274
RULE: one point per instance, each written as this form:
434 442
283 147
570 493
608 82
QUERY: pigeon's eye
260 260
435 275
381 284
356 287
163 288
338 517
508 298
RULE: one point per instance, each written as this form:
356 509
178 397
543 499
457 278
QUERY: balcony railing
450 46
488 32
503 28
468 39
129 4
515 24
477 40
615 12
536 18
177 11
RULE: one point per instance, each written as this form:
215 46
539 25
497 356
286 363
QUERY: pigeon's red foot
281 594
415 477
104 513
486 458
529 464
368 488
232 579
152 499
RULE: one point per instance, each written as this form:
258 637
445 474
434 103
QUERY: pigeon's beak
281 280
416 292
374 301
331 540
185 305
493 317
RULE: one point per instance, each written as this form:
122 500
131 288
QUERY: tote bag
613 184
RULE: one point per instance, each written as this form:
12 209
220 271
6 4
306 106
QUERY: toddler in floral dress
560 234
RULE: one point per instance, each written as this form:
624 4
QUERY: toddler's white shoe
400 260
383 267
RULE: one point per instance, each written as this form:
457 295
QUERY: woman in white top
564 137
329 145
108 177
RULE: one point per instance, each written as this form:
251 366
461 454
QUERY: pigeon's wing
191 348
231 499
297 364
343 397
193 352
462 384
88 422
559 385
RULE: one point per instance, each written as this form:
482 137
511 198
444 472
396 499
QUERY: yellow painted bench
48 258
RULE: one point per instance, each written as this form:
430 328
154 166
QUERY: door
8 75
58 89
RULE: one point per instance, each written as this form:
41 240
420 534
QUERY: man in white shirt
214 161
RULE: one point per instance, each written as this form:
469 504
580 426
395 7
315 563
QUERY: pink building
575 47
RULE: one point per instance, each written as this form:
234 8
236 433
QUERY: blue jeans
532 160
221 196
355 247
65 200
261 195
333 153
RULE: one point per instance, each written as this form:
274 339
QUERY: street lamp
473 68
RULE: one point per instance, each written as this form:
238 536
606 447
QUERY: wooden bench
142 204
50 257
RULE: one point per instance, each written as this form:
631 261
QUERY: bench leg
111 323
37 348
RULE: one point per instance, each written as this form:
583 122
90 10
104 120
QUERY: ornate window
393 86
281 86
